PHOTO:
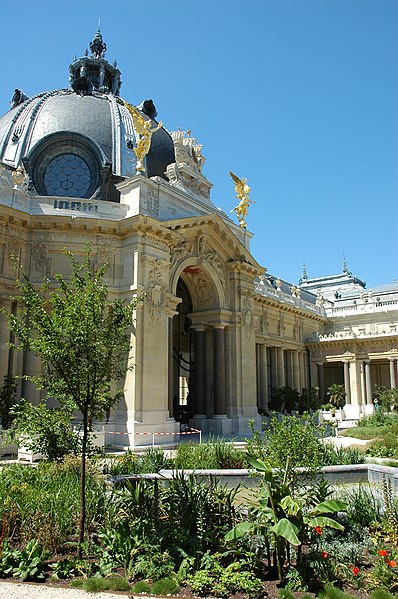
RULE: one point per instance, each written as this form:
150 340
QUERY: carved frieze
204 292
247 317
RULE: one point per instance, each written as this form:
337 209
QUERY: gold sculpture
242 193
143 128
19 175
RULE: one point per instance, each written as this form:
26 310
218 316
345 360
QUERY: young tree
83 341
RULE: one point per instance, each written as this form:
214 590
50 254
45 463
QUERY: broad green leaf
240 530
289 506
322 521
284 528
328 507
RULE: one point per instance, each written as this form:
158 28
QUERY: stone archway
198 370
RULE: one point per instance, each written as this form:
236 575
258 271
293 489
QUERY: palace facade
214 333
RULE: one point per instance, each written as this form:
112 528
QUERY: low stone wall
335 475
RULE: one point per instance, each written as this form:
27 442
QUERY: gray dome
88 125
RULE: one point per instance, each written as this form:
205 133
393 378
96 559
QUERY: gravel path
27 590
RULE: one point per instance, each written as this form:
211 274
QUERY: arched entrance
183 365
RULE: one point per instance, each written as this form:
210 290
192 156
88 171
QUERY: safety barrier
192 431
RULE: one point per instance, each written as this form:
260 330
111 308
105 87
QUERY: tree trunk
83 486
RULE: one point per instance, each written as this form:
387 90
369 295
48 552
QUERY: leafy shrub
115 583
31 564
150 562
141 587
165 586
212 454
66 568
201 582
45 430
385 447
239 582
8 560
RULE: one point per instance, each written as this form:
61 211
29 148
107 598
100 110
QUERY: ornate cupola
94 72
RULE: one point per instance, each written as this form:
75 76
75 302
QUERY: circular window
67 175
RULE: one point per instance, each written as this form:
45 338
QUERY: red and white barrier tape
191 432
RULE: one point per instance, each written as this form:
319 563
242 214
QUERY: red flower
318 530
392 563
382 552
355 570
324 554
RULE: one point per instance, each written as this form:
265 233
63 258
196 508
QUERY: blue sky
298 96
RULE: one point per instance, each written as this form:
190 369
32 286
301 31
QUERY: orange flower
382 552
324 554
318 530
355 570
392 563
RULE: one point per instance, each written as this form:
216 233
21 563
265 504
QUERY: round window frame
53 149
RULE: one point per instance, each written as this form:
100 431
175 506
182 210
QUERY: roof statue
143 128
98 46
242 193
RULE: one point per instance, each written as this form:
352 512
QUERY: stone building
214 333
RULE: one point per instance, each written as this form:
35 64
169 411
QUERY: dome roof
78 142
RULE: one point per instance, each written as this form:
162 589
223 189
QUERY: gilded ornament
19 175
143 128
242 193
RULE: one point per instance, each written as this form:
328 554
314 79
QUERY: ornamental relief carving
105 248
180 251
247 318
40 259
157 243
204 292
155 295
152 201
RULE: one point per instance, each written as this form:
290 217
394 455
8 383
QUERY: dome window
67 175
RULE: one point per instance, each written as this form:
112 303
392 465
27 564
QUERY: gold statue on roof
143 128
242 193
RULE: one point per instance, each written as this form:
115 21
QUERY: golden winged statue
143 128
242 193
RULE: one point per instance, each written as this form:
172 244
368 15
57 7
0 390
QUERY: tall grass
43 502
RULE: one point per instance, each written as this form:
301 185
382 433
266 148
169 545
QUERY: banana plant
286 518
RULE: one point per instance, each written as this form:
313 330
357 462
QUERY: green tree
83 341
336 395
7 400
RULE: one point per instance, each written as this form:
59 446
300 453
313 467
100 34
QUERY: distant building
214 334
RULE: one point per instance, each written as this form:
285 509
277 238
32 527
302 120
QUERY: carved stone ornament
187 150
13 242
152 201
180 251
155 295
40 260
247 317
105 248
204 292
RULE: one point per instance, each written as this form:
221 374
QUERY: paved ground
27 590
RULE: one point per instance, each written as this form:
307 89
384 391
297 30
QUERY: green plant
231 583
165 586
390 504
66 568
381 594
8 560
150 562
113 583
309 400
284 399
82 341
117 545
141 587
294 580
31 564
45 430
336 394
286 518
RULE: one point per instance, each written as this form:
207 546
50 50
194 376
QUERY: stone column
347 381
314 374
200 403
321 379
304 371
353 410
262 377
171 370
296 370
219 371
393 374
363 386
281 367
369 399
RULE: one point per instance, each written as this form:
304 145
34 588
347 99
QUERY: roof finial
98 46
305 273
345 267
